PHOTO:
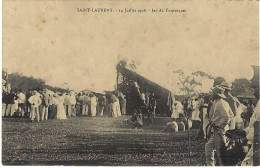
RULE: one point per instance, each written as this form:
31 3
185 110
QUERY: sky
52 41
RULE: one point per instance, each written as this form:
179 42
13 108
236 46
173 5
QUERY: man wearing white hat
220 115
231 100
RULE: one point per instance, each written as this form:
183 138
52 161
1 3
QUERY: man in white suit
220 116
35 102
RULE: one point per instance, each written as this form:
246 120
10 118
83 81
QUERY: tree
20 82
202 74
241 83
188 85
191 85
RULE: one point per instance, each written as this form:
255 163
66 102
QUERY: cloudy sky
52 41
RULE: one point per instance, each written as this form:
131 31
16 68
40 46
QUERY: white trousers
93 110
35 113
212 149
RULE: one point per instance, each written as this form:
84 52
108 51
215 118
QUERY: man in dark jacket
4 103
11 97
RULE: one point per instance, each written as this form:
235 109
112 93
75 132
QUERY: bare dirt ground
96 141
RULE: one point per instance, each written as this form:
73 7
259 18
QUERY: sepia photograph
130 83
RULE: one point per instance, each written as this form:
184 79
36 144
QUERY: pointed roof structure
164 96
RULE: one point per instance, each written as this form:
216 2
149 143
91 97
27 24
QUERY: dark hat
218 81
219 91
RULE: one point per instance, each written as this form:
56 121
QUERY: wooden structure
125 80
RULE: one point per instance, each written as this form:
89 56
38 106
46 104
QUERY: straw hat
219 91
225 85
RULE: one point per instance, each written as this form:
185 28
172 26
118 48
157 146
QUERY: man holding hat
220 115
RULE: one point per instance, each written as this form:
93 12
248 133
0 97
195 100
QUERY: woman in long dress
61 114
118 111
93 105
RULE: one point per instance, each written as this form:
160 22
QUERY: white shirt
35 100
21 98
93 101
220 113
72 99
176 110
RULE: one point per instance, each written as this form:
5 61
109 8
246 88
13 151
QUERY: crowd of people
40 105
216 116
44 104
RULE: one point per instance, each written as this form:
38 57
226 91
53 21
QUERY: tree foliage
241 83
202 74
20 82
188 84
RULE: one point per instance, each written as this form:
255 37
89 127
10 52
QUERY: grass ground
96 141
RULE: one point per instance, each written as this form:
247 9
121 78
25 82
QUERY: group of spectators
217 116
112 104
39 105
